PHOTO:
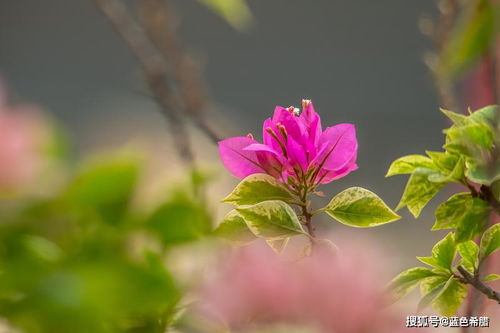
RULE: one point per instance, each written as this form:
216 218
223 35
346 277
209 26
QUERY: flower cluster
295 149
328 291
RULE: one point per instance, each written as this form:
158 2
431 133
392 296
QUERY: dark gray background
359 60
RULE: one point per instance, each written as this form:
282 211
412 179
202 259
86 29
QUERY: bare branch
154 67
158 24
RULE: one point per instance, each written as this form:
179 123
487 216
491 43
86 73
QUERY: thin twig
154 68
158 24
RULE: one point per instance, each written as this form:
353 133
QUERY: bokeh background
360 61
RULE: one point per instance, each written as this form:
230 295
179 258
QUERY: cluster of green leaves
470 157
263 211
88 260
441 286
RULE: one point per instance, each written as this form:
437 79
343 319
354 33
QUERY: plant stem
475 281
308 221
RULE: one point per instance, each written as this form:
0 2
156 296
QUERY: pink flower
329 292
20 141
295 149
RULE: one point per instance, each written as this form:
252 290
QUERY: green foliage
271 220
79 262
470 156
257 188
358 207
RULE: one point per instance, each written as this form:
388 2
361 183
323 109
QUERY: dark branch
154 68
475 281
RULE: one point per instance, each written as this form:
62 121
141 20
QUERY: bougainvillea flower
333 291
295 149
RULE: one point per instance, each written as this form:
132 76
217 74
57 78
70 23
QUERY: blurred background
359 61
107 240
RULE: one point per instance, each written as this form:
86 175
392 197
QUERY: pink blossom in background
330 292
20 137
295 149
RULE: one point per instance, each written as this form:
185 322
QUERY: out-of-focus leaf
235 12
257 188
408 164
278 245
358 207
406 281
419 191
234 229
471 37
450 297
491 278
271 220
429 289
180 220
490 242
105 185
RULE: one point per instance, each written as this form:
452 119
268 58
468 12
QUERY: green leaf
472 141
490 242
105 181
408 164
456 118
481 172
429 289
469 252
234 229
491 278
105 186
444 252
180 220
474 221
257 188
444 161
485 115
235 12
278 245
419 191
450 212
43 248
450 297
358 207
431 261
406 281
271 220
